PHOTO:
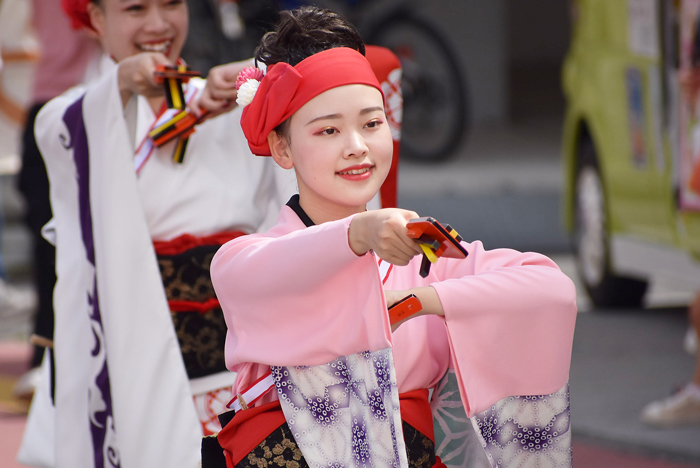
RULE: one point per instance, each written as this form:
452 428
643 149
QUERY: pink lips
365 172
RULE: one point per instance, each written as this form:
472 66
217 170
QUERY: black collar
293 203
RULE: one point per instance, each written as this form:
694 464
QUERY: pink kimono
298 296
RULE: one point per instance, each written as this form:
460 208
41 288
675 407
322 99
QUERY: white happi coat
122 394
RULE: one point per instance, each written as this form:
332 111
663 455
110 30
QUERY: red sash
182 244
249 428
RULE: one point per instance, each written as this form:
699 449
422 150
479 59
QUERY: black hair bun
306 31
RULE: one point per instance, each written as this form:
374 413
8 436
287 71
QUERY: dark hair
306 31
301 33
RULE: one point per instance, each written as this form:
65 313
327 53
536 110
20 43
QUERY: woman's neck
323 212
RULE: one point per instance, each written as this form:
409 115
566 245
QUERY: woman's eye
374 123
175 2
136 7
328 131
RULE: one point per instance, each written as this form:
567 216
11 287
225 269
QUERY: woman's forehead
348 99
132 2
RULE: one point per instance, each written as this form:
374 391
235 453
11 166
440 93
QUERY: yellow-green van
632 145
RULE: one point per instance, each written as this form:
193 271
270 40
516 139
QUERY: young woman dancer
306 302
139 332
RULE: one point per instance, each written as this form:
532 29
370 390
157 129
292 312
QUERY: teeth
356 171
159 47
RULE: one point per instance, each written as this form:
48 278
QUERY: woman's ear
97 17
280 150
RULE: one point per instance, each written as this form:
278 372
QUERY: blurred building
511 52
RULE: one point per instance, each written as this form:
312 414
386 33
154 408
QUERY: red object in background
594 456
695 177
77 12
383 62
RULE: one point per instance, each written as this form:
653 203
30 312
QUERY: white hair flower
247 84
246 92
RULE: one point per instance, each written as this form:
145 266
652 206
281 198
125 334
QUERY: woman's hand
428 297
220 92
136 75
384 232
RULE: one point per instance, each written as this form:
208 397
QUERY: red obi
183 245
184 265
250 427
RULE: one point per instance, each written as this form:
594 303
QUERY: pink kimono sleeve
299 298
510 321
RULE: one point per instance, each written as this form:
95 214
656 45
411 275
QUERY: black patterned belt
196 313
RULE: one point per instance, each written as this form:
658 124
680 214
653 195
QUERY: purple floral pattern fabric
353 395
526 431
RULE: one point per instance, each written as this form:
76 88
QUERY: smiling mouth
356 171
161 47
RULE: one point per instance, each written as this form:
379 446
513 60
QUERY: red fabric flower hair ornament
77 12
247 84
285 89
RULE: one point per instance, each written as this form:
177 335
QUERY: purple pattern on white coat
105 452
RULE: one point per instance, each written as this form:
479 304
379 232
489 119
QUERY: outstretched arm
299 298
510 320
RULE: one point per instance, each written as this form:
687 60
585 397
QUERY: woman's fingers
222 80
384 232
223 94
398 253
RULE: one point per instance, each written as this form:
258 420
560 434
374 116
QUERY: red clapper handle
406 307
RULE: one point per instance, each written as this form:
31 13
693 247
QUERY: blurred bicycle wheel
436 107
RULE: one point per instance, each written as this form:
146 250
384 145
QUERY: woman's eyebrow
364 111
325 117
371 109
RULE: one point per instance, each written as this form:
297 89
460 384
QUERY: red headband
285 89
77 12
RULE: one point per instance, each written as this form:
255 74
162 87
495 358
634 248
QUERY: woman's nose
157 21
356 145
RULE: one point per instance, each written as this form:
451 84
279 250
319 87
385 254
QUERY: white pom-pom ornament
246 92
